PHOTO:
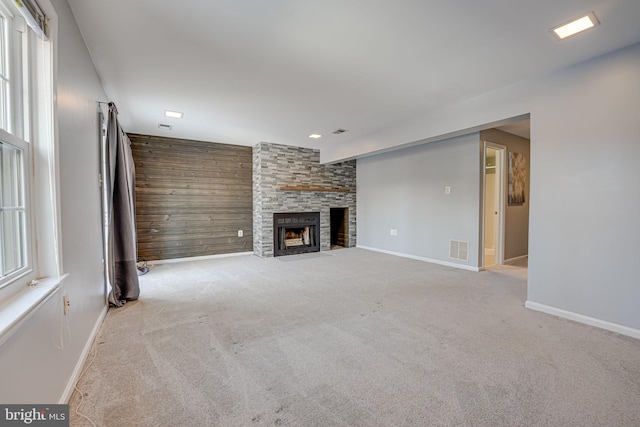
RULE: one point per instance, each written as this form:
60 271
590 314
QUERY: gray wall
585 197
585 190
516 238
405 190
37 362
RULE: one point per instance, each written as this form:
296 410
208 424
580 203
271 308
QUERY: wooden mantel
330 190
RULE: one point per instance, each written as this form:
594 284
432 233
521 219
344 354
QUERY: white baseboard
197 258
602 324
419 258
68 391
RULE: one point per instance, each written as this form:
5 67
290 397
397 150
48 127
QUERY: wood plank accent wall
192 197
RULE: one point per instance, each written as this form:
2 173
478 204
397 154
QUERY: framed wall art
517 178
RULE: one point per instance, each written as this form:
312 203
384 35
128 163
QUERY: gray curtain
122 236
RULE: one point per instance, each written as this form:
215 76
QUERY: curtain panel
122 236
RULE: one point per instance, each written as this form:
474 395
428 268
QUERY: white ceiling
246 71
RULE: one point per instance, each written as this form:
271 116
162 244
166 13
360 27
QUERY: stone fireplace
291 180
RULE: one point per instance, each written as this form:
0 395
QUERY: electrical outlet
447 189
66 305
240 233
393 232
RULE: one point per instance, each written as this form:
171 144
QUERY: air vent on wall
339 131
165 126
459 250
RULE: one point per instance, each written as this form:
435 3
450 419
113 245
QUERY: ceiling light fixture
173 114
575 26
315 136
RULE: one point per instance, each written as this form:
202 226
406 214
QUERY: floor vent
459 250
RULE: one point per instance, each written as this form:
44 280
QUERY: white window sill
21 305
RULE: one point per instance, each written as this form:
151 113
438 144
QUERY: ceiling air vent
165 126
339 131
459 250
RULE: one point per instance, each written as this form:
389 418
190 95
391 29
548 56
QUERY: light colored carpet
351 338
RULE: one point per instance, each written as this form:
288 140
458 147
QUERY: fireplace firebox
296 233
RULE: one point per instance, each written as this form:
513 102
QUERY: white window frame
34 124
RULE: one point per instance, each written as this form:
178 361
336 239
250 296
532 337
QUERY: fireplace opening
297 237
339 228
296 233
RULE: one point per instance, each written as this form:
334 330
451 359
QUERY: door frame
502 186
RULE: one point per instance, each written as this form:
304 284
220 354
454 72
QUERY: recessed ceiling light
575 26
315 136
174 114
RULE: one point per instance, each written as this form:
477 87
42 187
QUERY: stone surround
276 165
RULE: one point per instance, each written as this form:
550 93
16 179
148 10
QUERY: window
12 211
29 201
27 149
14 154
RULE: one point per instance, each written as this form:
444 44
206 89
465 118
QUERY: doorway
494 175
